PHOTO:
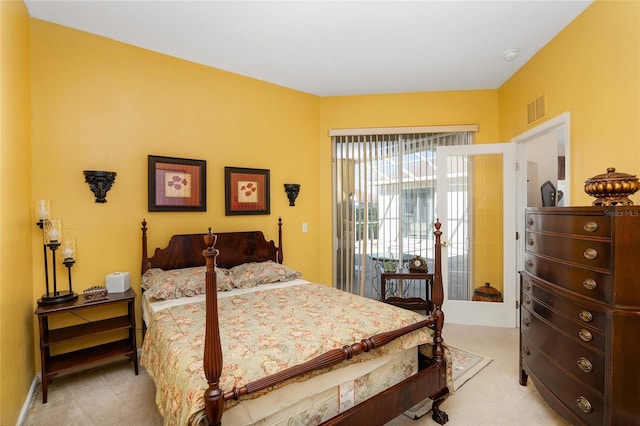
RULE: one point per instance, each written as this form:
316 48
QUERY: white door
476 206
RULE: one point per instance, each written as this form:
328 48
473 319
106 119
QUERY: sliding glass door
384 204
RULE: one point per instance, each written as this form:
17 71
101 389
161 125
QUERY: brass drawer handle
530 221
589 284
585 365
527 300
585 335
590 253
530 241
526 322
526 350
591 227
584 404
529 263
527 286
585 316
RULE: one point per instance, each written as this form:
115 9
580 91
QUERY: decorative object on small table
390 266
612 188
418 264
95 293
117 282
52 239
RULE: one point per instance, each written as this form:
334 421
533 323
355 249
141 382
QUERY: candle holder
69 253
51 237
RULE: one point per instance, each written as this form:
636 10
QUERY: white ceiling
332 48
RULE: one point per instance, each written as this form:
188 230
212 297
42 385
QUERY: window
384 201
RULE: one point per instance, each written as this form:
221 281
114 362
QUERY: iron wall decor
292 190
246 191
99 182
177 184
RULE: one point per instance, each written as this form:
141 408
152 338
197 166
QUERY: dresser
580 312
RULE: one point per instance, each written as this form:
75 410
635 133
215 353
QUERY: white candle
42 209
69 249
54 230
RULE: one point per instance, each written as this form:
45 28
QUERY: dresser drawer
580 314
587 225
583 362
590 253
593 284
584 402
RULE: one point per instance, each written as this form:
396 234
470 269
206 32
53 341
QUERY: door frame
560 124
477 312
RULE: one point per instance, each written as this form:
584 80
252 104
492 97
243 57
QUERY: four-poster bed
269 336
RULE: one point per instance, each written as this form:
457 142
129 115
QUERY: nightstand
117 347
397 291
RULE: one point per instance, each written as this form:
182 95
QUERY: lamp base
57 297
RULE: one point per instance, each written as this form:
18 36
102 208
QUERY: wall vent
536 110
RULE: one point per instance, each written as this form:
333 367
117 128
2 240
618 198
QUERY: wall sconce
99 182
51 239
292 190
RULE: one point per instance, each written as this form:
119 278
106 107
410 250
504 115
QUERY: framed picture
246 191
177 184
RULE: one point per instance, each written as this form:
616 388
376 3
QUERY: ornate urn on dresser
580 312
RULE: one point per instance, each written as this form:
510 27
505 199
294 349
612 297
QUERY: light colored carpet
114 395
465 365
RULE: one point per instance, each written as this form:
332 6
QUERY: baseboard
28 400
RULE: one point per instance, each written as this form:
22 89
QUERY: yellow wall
592 70
100 104
103 105
16 294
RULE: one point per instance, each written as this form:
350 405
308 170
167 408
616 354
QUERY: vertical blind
384 202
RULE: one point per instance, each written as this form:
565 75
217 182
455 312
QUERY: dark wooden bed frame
229 249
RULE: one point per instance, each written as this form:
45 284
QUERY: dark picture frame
177 184
246 191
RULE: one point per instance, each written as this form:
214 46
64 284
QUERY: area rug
465 365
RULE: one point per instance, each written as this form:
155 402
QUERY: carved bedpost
145 257
438 296
280 255
213 396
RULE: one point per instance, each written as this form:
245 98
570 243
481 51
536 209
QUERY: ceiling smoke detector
510 55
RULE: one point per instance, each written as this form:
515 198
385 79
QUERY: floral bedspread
262 333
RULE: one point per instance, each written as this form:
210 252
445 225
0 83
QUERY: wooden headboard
185 250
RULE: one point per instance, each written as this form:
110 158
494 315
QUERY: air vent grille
536 109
